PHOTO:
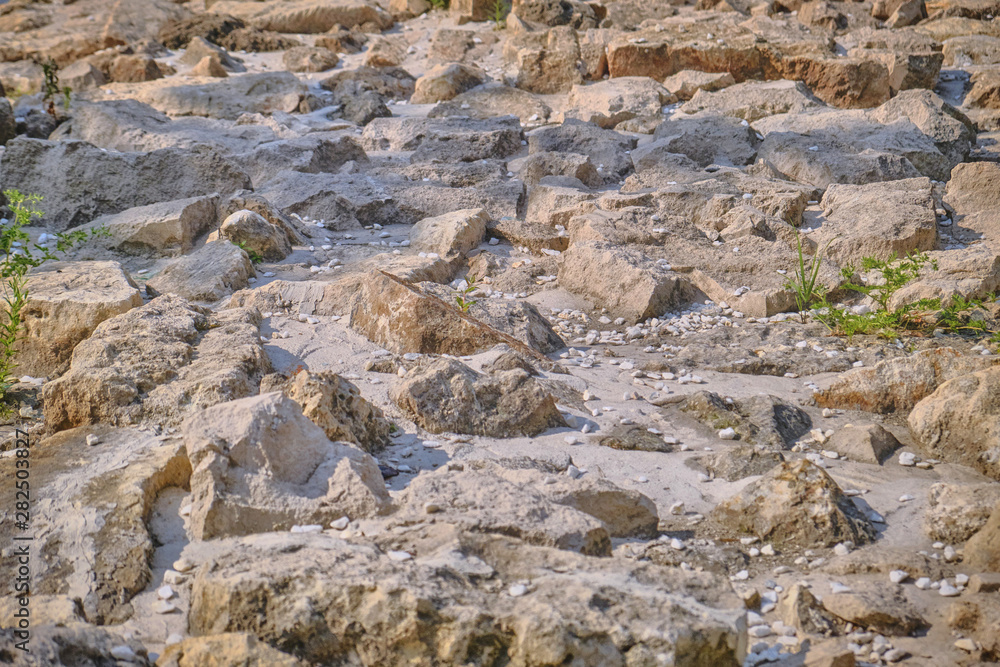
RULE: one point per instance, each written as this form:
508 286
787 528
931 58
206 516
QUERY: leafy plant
67 94
18 256
464 303
439 4
895 274
498 14
255 257
804 284
52 90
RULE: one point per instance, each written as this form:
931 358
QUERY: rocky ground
414 337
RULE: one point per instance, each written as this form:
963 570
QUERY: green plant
498 14
804 282
52 90
255 257
67 93
18 256
439 4
895 273
464 303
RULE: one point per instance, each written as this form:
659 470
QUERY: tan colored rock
546 62
164 229
231 649
371 606
882 607
451 235
535 167
800 609
625 282
212 272
446 81
881 220
976 618
91 520
156 364
868 444
305 16
66 302
686 83
82 75
955 512
447 396
385 51
898 384
407 9
309 59
259 465
973 194
607 103
209 66
753 100
796 504
198 48
971 50
960 421
51 643
337 407
251 232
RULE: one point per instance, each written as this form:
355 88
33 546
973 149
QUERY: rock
51 642
794 505
881 607
209 66
353 579
91 519
982 551
64 172
82 75
534 168
444 82
546 62
259 465
971 194
625 282
447 395
251 232
956 511
898 384
134 69
390 82
156 363
743 461
709 139
263 92
634 438
385 51
976 618
686 83
199 48
753 100
452 235
520 320
760 420
490 100
337 407
437 138
66 302
603 147
309 59
214 271
158 230
234 648
306 16
608 103
960 421
800 609
868 444
209 26
878 220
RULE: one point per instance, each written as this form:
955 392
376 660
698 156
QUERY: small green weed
255 257
464 303
498 14
804 284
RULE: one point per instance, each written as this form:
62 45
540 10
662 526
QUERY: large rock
65 172
547 61
212 272
164 229
625 282
66 302
796 505
606 148
955 512
447 139
869 443
896 385
233 648
882 607
443 82
972 195
710 139
982 551
90 505
753 100
253 233
448 396
614 101
449 602
452 235
960 421
315 153
881 220
494 99
759 420
306 16
259 465
337 407
50 643
156 363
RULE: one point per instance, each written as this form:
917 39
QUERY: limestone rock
64 173
337 407
385 51
736 463
686 83
982 551
452 235
259 465
51 643
252 232
163 229
209 66
362 603
957 511
212 272
898 384
66 302
230 649
880 606
490 100
305 16
960 421
610 102
759 420
753 100
447 395
869 443
709 139
972 195
157 363
796 504
800 609
603 147
309 59
443 82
